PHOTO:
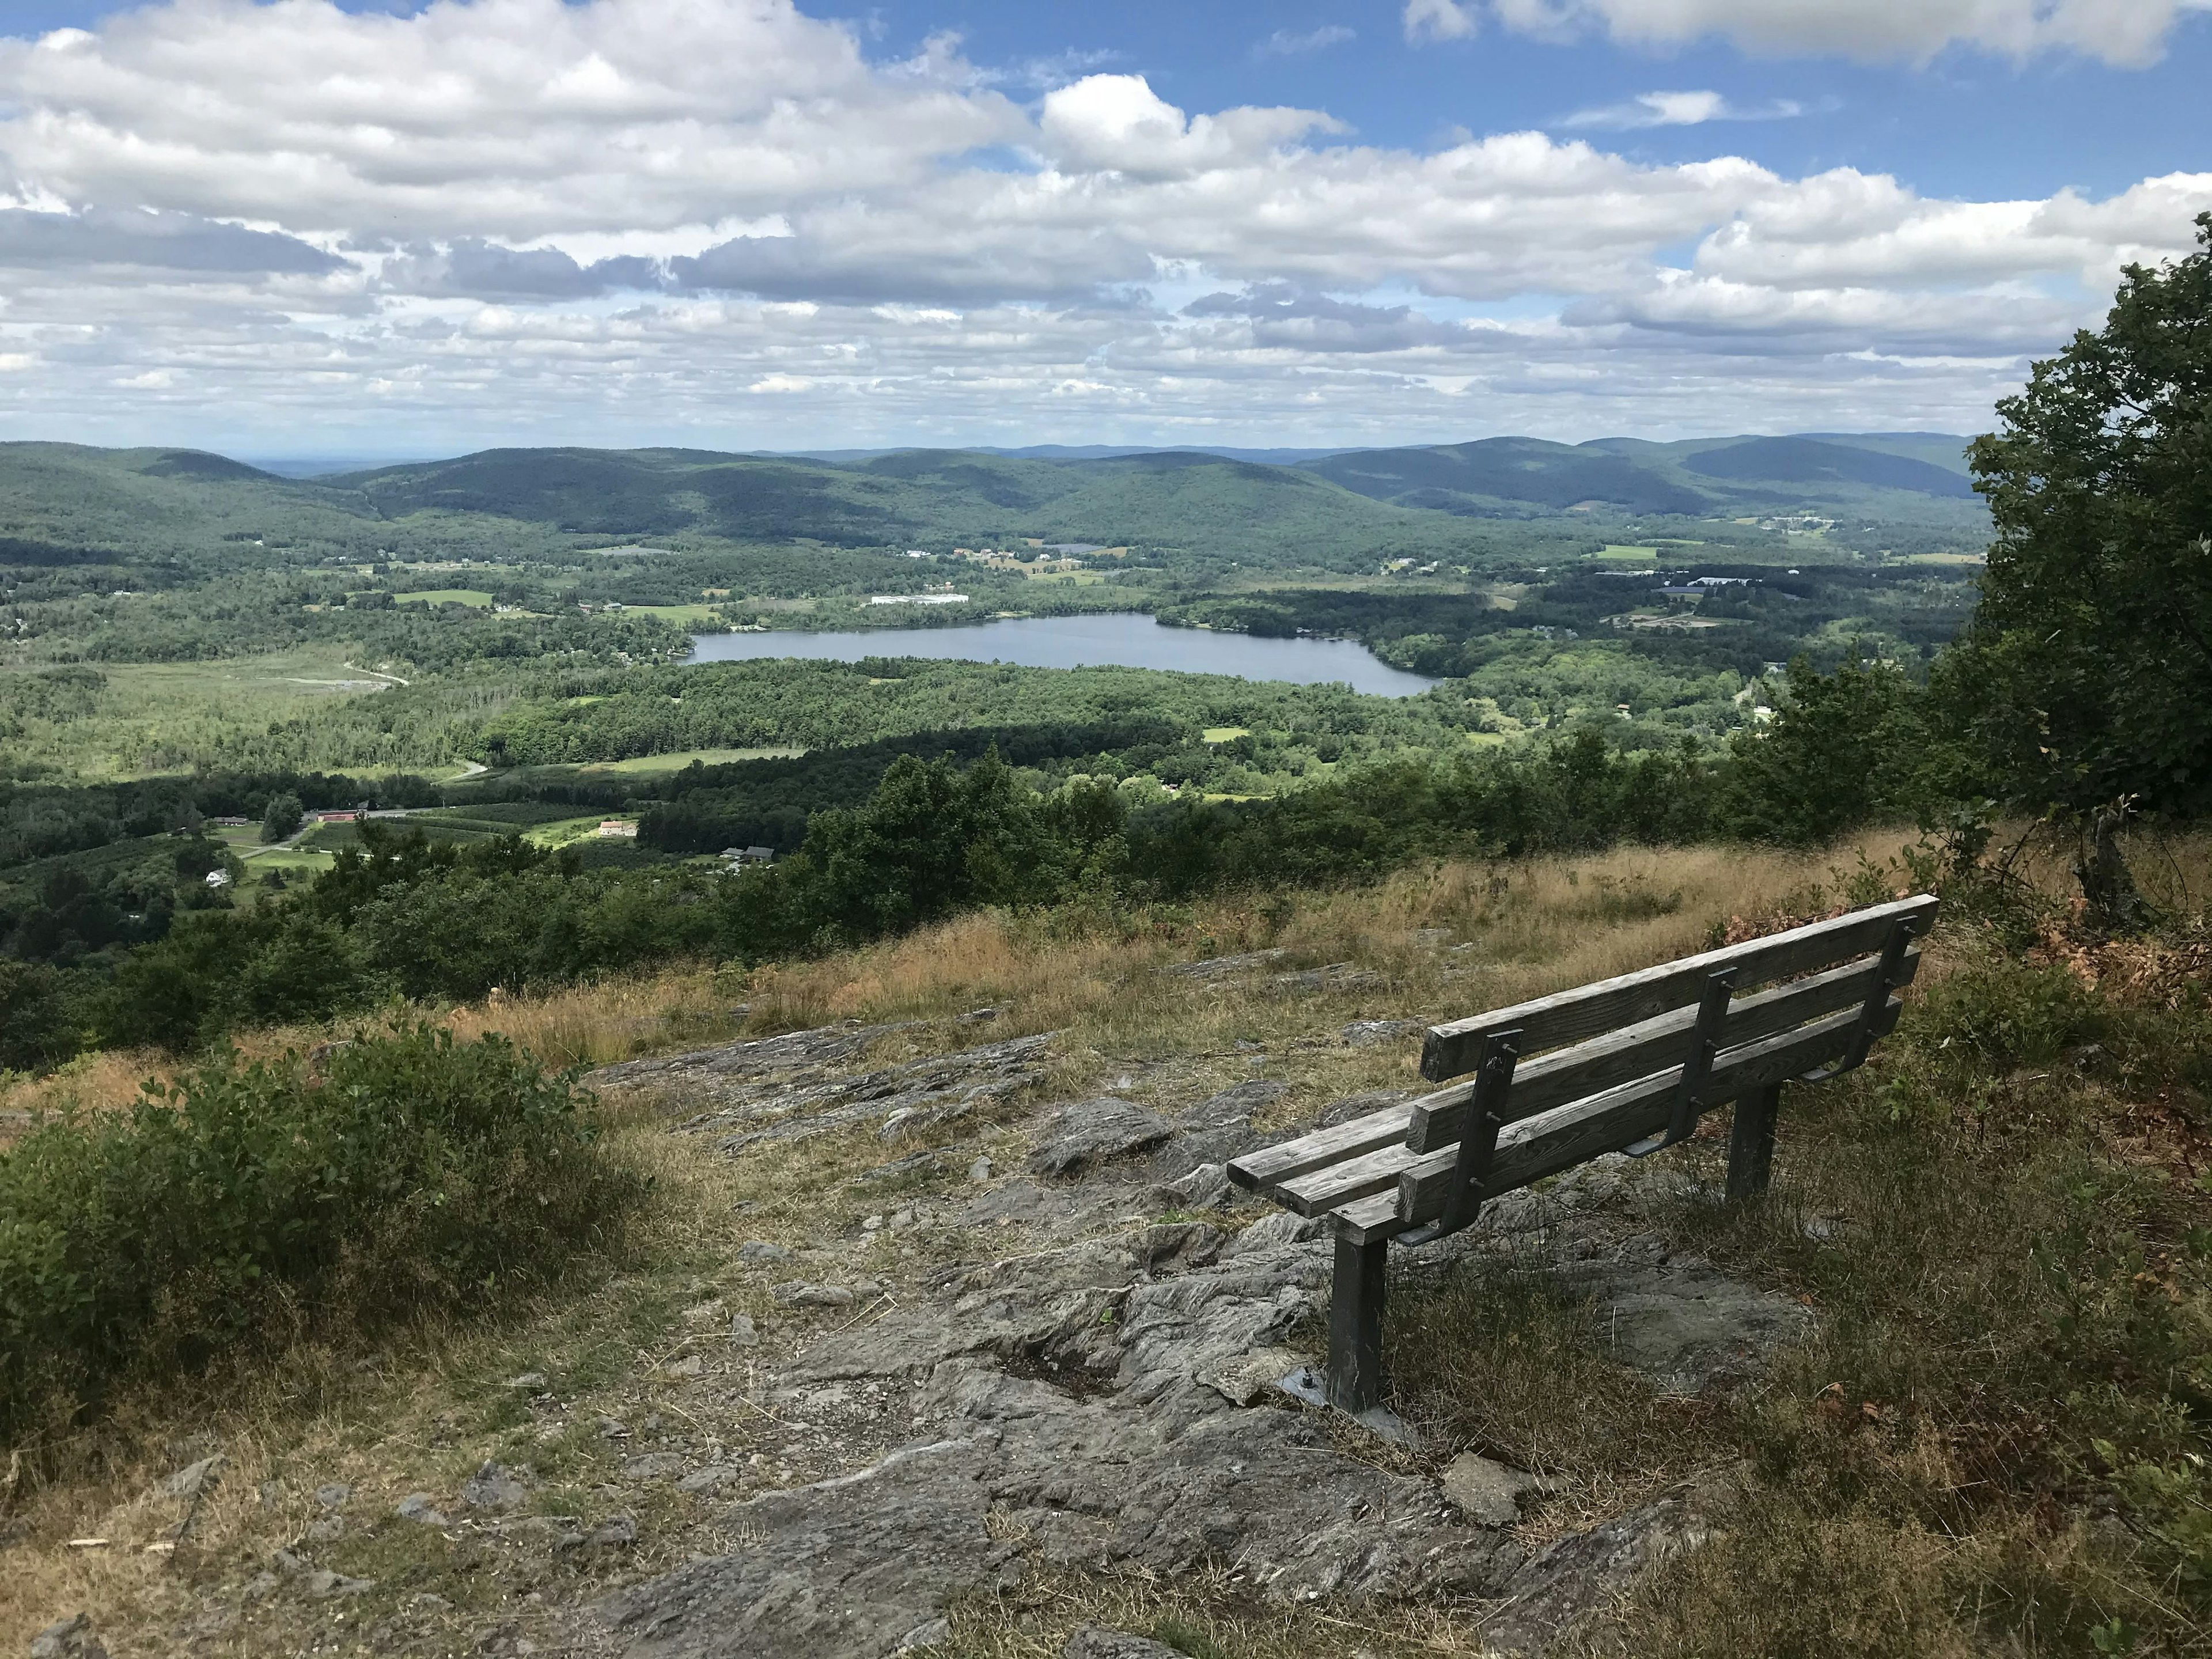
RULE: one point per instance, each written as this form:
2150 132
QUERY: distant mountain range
1335 505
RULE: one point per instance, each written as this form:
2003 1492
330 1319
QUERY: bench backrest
1627 1063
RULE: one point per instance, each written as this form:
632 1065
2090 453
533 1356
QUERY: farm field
475 598
111 720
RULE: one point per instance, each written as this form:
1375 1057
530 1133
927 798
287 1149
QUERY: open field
1630 555
475 597
133 719
676 760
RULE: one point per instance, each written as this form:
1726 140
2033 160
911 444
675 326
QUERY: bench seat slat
1319 1191
1266 1169
1450 1050
1634 1051
1568 1135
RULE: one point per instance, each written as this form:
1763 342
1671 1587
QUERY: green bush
409 1172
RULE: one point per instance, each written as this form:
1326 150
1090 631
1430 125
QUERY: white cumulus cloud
1438 19
1681 109
2122 31
722 223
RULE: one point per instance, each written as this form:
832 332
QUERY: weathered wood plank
1570 1016
1568 1135
1617 1057
1269 1168
1318 1191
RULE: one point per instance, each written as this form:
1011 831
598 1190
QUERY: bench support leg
1751 1143
1355 1327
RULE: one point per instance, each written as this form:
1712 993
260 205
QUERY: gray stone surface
1687 1325
1556 1596
68 1638
190 1481
493 1487
794 1094
1214 969
1085 1133
1092 1388
1368 1033
1096 1641
1486 1490
847 1566
421 1508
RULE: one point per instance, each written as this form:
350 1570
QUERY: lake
1118 639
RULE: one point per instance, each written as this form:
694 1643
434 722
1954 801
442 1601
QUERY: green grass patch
1224 733
475 597
1620 555
411 1174
679 759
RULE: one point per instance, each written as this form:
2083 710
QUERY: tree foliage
2086 673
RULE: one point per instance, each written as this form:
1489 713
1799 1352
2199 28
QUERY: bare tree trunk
2115 906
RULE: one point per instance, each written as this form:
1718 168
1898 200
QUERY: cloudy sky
382 226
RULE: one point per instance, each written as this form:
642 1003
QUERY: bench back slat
1648 1046
1452 1050
1583 1129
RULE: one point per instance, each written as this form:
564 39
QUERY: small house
338 815
612 828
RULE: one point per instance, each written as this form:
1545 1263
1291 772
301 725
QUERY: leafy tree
1836 755
282 817
2085 680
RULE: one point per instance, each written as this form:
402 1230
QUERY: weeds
405 1174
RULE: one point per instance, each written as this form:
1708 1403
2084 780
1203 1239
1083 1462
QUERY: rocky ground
1023 1340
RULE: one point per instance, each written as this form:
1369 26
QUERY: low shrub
405 1174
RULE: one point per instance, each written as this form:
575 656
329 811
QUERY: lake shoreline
1122 639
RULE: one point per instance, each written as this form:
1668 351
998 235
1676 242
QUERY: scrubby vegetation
243 1205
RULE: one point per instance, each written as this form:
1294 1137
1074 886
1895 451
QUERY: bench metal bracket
1887 976
1478 1139
1696 1065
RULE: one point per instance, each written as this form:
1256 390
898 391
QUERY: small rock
323 1531
759 1250
1083 1132
334 1495
798 1295
690 1365
289 1564
901 1220
1366 1033
979 1169
744 1333
261 1585
616 1532
1274 1232
710 1479
872 1224
421 1508
1488 1490
1096 1641
1206 1187
429 1601
613 1428
1250 1376
927 1635
653 1466
68 1638
322 1584
533 1381
187 1482
492 1487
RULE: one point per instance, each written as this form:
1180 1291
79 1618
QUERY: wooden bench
1626 1064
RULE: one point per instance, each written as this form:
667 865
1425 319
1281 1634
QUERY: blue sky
303 229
